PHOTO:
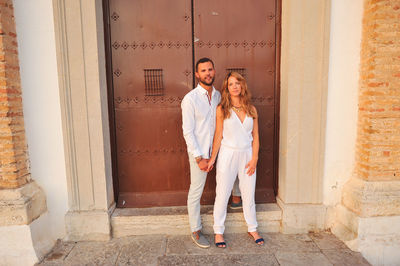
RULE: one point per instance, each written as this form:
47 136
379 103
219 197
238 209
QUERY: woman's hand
210 165
251 167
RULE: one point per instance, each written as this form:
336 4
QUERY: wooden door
240 36
153 46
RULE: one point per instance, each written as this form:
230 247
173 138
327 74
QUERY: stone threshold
174 220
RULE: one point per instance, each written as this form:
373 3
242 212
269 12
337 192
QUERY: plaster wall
341 122
42 115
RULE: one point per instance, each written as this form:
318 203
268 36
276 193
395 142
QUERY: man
198 124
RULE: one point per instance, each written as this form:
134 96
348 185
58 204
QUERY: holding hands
203 164
210 165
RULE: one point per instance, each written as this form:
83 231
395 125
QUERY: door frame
110 94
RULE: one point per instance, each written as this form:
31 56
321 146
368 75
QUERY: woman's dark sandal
260 240
257 241
220 245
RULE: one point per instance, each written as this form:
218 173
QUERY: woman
236 139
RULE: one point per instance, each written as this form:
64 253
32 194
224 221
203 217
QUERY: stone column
369 216
83 91
304 84
21 199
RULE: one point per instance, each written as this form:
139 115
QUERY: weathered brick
378 135
13 153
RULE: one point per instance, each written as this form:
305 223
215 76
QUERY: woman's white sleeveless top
235 134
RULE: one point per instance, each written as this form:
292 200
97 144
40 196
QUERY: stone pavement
279 249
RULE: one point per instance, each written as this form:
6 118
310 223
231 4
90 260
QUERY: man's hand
203 164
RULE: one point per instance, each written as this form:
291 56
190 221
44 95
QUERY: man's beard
207 84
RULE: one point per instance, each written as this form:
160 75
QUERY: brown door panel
240 36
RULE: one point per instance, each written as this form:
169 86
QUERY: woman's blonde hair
245 97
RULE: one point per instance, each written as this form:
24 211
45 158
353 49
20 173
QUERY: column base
21 205
92 225
21 209
372 198
299 218
377 238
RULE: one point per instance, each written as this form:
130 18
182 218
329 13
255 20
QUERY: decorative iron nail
134 45
125 45
117 73
115 45
271 16
160 44
270 71
227 44
114 16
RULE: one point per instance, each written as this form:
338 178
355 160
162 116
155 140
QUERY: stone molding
20 206
372 198
302 218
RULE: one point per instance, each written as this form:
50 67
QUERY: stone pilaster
83 92
304 84
370 210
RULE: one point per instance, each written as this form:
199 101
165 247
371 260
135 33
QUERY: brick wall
13 152
378 139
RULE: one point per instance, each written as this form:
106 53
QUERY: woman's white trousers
232 163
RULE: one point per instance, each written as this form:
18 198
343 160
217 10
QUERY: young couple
227 124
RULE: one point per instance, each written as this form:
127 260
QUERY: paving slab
223 259
141 250
93 253
290 243
302 259
345 257
325 240
59 252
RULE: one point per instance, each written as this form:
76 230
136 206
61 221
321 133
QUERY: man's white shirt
198 120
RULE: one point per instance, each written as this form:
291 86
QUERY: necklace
237 109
